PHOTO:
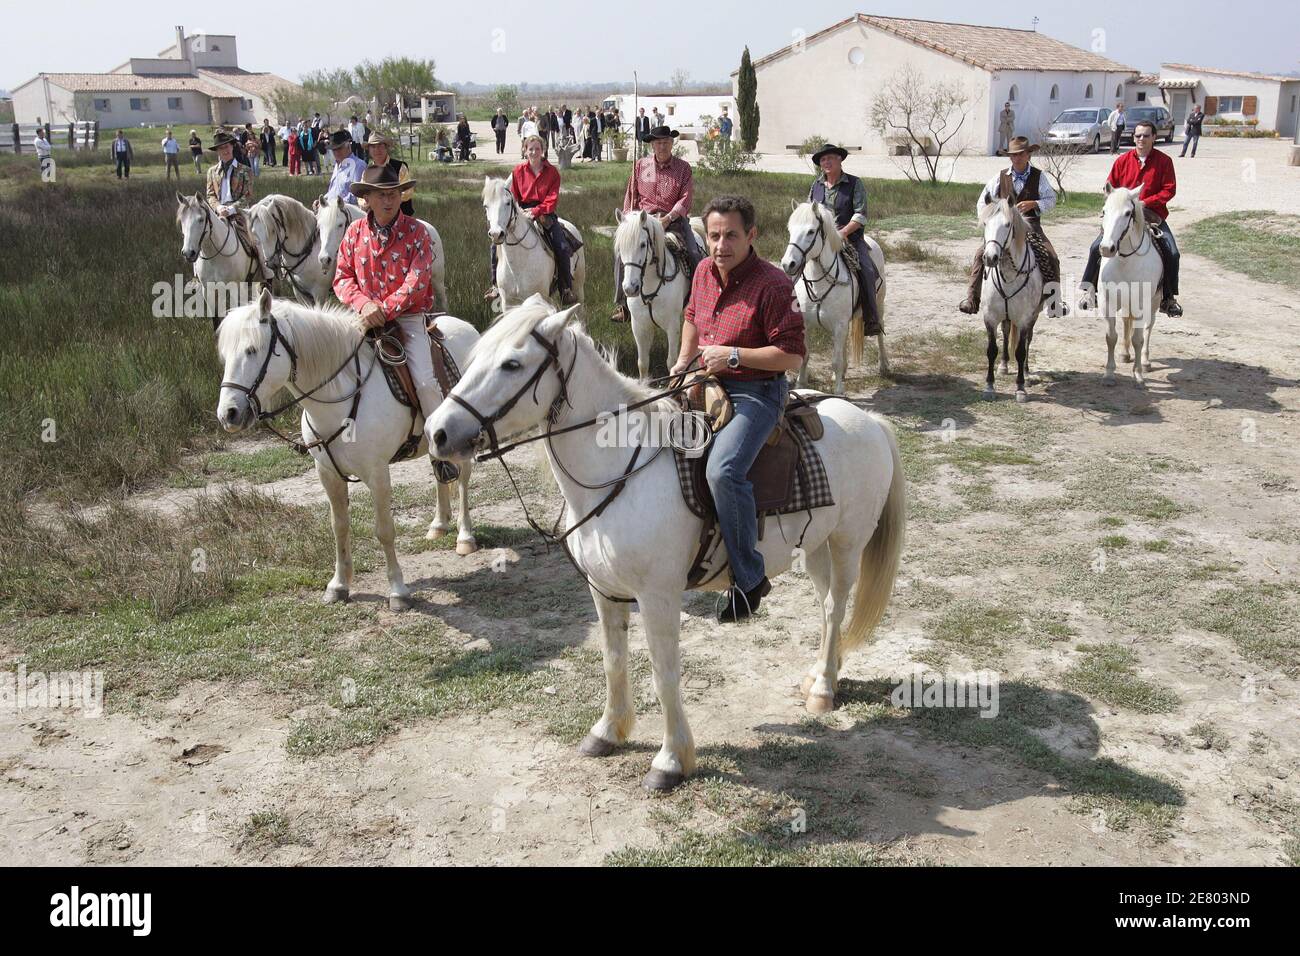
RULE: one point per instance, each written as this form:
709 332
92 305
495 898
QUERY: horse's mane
322 336
494 187
1019 224
295 215
190 203
807 214
625 237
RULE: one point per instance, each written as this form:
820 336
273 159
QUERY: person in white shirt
1116 121
44 156
172 155
347 169
1032 194
284 139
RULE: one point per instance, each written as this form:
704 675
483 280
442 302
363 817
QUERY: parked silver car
1084 127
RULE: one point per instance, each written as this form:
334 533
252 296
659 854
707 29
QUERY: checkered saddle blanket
788 475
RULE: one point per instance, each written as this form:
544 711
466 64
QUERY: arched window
1087 94
1119 92
1056 93
1014 94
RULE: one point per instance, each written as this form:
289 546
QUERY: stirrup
492 293
619 314
727 610
445 472
1170 307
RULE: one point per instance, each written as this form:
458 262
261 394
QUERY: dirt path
207 778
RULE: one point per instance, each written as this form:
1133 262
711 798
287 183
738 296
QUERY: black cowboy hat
826 150
340 137
221 139
661 132
378 177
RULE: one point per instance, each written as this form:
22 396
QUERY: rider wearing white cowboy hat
1032 194
846 196
661 184
383 273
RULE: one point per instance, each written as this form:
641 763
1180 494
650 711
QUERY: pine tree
747 102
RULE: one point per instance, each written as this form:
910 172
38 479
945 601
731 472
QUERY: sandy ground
178 786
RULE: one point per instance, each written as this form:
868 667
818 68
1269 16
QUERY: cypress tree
747 102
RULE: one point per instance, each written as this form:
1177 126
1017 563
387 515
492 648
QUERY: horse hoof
398 603
819 703
1021 397
437 531
1108 379
661 781
1146 366
466 546
988 394
593 746
335 596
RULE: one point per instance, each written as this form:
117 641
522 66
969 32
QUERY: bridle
264 417
510 227
652 259
616 485
276 260
806 256
231 232
1131 213
1023 271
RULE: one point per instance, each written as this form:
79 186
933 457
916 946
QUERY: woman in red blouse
535 184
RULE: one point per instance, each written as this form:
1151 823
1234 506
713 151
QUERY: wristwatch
733 361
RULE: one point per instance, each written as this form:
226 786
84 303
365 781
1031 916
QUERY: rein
281 244
353 359
1023 271
220 253
809 285
652 259
1132 220
616 484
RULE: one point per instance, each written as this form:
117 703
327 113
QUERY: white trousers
420 362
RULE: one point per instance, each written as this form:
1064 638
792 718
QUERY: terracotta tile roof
124 82
1148 79
989 48
1250 76
258 84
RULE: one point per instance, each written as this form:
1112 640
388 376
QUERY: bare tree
927 117
680 78
290 103
1057 161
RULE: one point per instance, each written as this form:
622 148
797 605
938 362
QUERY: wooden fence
80 135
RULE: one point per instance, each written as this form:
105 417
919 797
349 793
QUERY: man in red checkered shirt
741 322
662 184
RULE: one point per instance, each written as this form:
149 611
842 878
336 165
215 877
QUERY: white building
1270 100
824 84
682 111
195 81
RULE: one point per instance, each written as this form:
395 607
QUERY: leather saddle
773 472
678 252
398 372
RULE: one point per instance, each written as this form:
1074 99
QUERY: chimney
182 50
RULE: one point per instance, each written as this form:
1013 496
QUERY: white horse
534 368
827 291
212 245
654 282
332 221
351 423
525 264
1131 273
287 232
1013 289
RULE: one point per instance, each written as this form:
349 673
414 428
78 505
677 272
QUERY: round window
857 56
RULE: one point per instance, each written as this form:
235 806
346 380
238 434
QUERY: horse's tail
857 338
878 565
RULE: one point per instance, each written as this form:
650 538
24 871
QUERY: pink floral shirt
389 267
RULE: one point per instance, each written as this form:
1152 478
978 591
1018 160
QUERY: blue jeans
757 406
1195 140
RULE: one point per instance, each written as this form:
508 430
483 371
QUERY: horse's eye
250 351
510 365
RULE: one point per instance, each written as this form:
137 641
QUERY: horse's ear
794 204
180 200
641 216
264 303
1107 188
618 215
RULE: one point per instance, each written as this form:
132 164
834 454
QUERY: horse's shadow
1214 383
896 772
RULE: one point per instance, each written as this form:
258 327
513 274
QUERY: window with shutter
1211 105
1249 105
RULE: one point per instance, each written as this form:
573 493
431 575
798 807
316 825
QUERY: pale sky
540 41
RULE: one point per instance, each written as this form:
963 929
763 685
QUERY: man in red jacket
1151 172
